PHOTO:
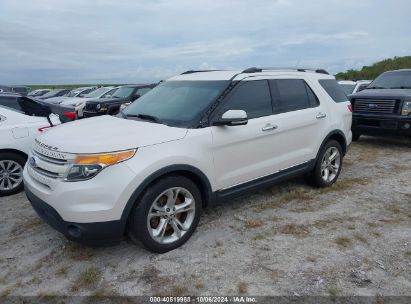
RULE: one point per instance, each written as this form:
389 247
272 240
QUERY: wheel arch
193 173
15 151
337 135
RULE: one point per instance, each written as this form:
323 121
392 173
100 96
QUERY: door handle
321 115
269 127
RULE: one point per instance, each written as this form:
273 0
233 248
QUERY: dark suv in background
384 107
123 96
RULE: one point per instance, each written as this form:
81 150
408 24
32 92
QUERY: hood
107 133
102 100
384 93
55 100
72 101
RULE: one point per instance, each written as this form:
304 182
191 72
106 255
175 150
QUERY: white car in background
73 93
79 102
350 87
17 133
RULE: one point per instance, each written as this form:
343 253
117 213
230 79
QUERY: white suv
199 138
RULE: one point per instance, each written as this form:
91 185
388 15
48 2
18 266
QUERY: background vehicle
17 131
15 101
5 89
351 87
73 93
384 107
199 138
54 93
21 90
123 96
38 93
79 102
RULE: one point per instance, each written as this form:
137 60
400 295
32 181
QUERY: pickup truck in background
384 107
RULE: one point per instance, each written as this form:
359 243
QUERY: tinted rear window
333 89
292 95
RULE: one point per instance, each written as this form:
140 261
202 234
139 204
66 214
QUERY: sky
137 41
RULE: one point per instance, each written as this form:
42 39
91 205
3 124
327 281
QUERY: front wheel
328 165
166 215
11 173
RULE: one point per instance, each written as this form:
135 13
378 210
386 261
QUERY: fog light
406 126
74 231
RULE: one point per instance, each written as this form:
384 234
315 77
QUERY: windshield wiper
144 117
401 87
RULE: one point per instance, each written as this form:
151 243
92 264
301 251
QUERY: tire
318 176
11 173
355 136
159 200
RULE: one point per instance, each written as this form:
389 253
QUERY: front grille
49 163
91 107
387 106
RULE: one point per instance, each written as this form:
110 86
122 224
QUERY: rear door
301 121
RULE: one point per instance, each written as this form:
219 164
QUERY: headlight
86 166
406 108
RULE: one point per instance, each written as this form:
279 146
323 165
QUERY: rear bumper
95 234
378 125
92 114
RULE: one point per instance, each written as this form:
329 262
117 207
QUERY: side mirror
136 97
232 118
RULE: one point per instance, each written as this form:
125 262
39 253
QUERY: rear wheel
166 215
11 173
328 165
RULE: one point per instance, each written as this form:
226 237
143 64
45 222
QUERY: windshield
392 80
51 93
347 88
96 93
73 93
123 92
177 103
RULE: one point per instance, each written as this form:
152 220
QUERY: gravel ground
351 239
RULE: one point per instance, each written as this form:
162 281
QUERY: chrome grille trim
375 106
50 159
49 163
47 173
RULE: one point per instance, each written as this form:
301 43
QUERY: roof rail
197 71
257 70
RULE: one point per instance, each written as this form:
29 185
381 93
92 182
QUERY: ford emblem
32 161
372 106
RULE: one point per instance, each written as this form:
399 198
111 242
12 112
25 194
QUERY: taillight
43 128
350 107
71 115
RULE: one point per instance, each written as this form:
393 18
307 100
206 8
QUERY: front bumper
381 125
96 234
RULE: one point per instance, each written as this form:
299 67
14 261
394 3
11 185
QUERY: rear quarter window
333 89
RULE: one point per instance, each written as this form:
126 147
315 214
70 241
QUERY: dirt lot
351 239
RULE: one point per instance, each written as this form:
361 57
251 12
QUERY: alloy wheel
330 164
171 215
11 175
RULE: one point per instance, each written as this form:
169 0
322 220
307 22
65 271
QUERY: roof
247 73
347 82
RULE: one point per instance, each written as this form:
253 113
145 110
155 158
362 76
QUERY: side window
10 102
314 102
333 89
253 97
292 95
142 91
